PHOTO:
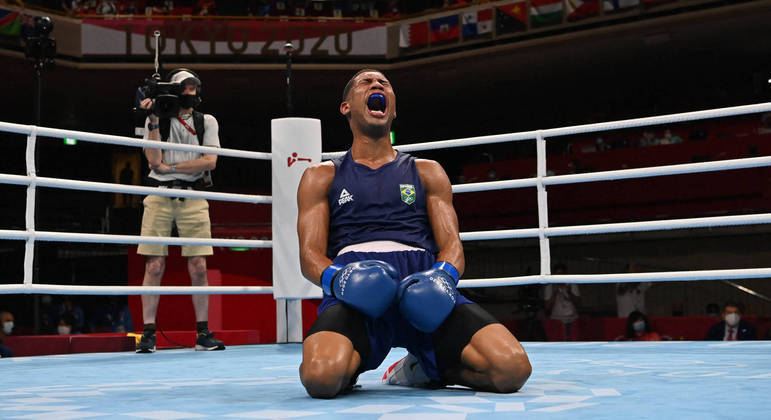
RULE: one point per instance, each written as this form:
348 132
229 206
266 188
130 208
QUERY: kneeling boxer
379 234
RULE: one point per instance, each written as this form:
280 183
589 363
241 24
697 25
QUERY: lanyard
190 129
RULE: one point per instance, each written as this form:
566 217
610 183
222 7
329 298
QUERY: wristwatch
173 168
151 126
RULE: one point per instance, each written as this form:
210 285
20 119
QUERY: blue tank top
383 204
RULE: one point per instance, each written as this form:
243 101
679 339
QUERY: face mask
8 327
64 329
732 319
188 101
638 326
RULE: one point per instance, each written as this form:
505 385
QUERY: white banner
221 38
295 145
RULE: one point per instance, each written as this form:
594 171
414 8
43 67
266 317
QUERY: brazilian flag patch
408 193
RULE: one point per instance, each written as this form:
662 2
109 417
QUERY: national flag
445 28
580 9
477 23
413 35
10 23
511 18
545 12
612 5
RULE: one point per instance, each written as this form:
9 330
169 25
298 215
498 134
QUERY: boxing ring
580 379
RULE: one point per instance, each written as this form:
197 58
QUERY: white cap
185 76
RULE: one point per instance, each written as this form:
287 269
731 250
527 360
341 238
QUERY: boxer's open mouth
376 104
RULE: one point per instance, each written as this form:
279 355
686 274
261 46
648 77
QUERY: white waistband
379 246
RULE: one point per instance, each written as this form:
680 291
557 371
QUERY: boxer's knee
509 371
329 363
497 354
323 378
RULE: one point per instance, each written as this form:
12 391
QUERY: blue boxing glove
369 286
426 298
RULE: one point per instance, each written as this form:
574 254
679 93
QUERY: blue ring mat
582 380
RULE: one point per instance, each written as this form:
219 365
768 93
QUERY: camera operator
178 123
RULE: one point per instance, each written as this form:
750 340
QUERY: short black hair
632 318
737 305
349 85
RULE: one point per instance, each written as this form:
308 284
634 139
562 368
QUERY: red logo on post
291 160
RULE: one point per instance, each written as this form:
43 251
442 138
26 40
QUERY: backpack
165 127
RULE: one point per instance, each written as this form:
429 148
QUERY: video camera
164 94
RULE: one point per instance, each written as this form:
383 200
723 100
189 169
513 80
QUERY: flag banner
545 12
581 9
613 5
511 18
10 22
413 35
445 29
477 24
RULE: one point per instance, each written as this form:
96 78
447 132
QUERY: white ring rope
679 169
135 290
128 141
671 224
131 189
131 239
740 273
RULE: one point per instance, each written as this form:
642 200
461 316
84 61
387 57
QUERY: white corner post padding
295 146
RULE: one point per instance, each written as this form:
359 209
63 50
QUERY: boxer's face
361 109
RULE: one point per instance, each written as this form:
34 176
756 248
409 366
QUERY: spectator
107 7
648 139
113 315
713 310
130 8
279 8
732 327
638 329
669 138
561 301
6 328
392 9
72 7
601 145
259 8
205 8
67 324
630 297
67 306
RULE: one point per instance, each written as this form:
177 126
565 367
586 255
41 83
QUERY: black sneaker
206 342
147 343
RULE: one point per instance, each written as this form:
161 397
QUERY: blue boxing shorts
373 339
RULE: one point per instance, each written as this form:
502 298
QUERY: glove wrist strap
327 276
449 269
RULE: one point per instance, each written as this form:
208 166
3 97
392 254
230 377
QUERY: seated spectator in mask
638 329
66 324
732 327
6 328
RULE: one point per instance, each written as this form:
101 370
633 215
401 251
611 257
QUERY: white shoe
406 372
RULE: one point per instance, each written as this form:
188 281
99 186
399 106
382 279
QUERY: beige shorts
191 216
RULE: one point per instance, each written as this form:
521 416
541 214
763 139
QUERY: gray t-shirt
180 134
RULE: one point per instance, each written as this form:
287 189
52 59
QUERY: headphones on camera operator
168 98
